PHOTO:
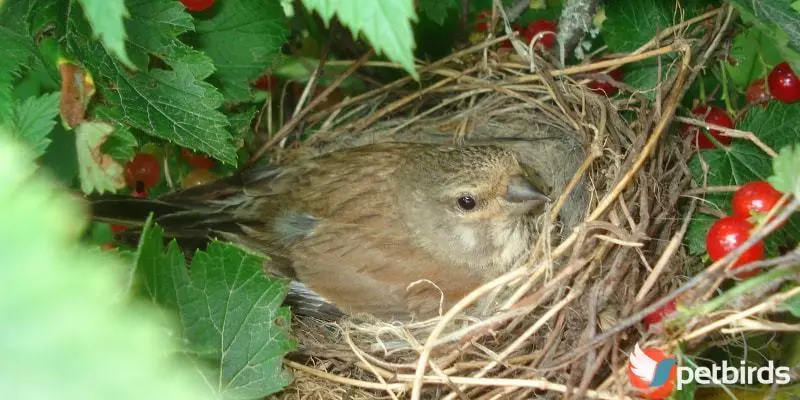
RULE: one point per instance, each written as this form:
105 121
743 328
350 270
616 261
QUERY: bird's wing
642 365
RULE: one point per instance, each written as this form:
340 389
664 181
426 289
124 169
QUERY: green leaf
121 145
778 21
153 29
630 24
106 18
778 126
258 30
15 54
786 168
171 104
34 120
436 10
68 330
696 234
98 172
792 305
754 53
230 311
386 24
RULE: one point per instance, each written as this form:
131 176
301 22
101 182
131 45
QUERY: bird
394 230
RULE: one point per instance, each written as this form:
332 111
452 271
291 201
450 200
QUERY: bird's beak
520 191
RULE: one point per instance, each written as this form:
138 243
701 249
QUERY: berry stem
725 96
786 268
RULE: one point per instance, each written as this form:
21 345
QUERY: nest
609 251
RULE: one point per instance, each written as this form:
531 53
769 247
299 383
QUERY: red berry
642 387
118 228
605 87
484 15
199 161
713 115
482 26
197 5
725 235
757 92
542 25
108 246
784 84
659 314
265 82
754 197
197 177
143 168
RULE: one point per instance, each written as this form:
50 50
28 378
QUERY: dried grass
562 324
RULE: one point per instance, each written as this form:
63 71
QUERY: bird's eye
466 202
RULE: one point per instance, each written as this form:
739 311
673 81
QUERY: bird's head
472 205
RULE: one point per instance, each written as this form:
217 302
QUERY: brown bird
390 229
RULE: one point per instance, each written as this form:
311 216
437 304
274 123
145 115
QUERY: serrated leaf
696 234
68 332
121 145
98 171
436 10
257 28
153 30
777 126
171 104
386 24
231 313
630 24
778 12
15 53
753 53
777 20
34 119
106 18
786 168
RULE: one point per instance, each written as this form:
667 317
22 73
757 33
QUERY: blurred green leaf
386 24
171 104
33 121
258 29
437 10
231 312
106 18
792 305
98 171
68 330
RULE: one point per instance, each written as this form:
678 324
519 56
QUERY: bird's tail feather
176 218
